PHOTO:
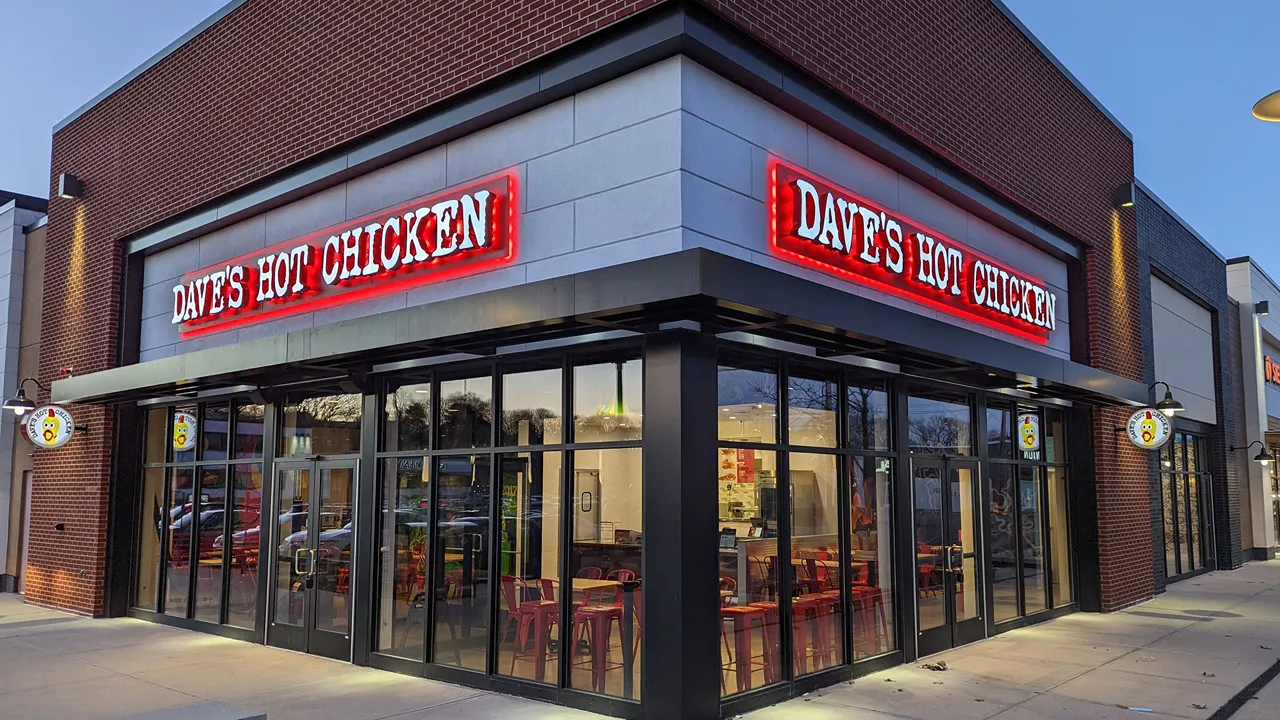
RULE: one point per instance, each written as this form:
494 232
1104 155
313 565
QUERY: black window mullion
844 495
786 570
566 527
494 574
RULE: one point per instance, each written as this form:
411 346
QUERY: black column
680 590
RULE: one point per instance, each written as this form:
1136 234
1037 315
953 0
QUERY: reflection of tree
540 420
936 431
465 418
413 416
868 418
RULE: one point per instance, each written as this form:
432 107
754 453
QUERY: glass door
311 611
948 599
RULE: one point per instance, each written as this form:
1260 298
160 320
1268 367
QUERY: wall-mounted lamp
70 187
1168 405
20 404
1126 196
1264 457
1262 307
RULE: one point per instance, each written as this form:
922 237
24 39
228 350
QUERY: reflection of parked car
180 534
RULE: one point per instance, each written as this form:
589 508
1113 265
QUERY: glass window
607 401
462 556
325 425
1033 580
215 423
1004 542
869 427
940 422
179 521
157 434
531 408
999 432
210 538
1193 516
249 431
1184 539
466 412
1192 462
246 527
747 485
871 566
407 417
1060 539
815 562
184 434
1028 436
405 535
811 411
748 404
150 532
1170 530
529 560
1055 436
1179 453
604 560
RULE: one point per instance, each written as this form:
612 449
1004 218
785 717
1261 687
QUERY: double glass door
312 594
948 557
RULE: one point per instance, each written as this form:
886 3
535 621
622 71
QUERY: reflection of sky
746 387
532 390
596 388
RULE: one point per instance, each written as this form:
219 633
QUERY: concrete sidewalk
1196 645
1181 655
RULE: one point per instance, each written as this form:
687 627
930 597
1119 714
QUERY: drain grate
1232 706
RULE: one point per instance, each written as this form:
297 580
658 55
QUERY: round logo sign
49 427
1029 432
1149 429
184 431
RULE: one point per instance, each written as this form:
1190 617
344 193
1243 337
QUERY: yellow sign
49 427
1029 432
184 431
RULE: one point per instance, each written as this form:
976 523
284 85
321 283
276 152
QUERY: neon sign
1272 369
824 227
435 238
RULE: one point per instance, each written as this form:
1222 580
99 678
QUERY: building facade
22 236
655 358
1259 346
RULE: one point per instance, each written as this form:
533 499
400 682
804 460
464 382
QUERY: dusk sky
1180 78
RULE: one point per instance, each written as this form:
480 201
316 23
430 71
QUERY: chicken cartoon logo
1029 432
49 427
1149 429
184 431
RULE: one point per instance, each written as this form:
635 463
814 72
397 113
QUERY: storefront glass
1182 483
200 515
871 563
437 504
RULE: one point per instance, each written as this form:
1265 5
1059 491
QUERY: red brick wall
278 81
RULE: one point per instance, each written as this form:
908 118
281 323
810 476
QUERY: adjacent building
658 358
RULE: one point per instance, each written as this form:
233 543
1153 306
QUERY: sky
1180 77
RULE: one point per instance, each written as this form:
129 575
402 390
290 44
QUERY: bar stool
820 607
740 659
870 624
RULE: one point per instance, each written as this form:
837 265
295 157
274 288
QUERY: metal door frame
306 637
951 633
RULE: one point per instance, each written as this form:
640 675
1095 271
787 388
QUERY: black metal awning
719 293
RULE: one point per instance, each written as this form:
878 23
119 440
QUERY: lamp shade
1168 405
1268 108
20 404
1264 456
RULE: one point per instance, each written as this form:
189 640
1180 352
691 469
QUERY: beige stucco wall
28 366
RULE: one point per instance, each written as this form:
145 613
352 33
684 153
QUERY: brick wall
279 81
1169 248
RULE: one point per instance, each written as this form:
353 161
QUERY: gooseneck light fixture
1168 405
20 404
1268 108
1264 456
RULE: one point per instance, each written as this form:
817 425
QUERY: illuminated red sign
827 228
1272 368
430 239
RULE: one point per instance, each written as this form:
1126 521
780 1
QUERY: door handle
297 562
312 571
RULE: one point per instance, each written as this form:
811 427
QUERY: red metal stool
741 659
